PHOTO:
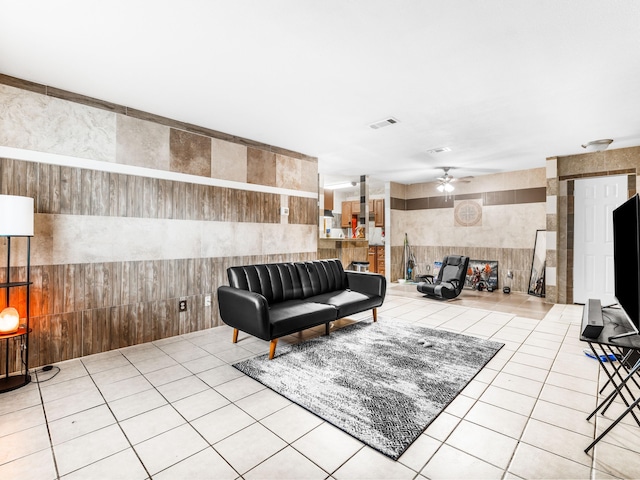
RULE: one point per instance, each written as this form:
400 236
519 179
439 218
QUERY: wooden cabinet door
328 199
372 260
345 222
380 260
355 207
378 210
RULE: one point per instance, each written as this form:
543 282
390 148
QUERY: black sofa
270 301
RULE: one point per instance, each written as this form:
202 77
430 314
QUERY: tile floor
177 409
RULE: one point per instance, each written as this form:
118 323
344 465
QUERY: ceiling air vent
384 123
439 150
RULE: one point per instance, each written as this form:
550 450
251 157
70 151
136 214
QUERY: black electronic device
626 261
592 322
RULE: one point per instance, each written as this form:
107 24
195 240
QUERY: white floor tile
182 388
25 442
72 404
36 466
291 422
557 440
205 464
123 465
89 448
262 403
81 423
136 404
167 375
480 442
497 419
169 448
287 464
420 452
263 444
124 388
222 423
450 463
200 404
371 465
22 420
534 463
540 379
151 423
239 388
327 446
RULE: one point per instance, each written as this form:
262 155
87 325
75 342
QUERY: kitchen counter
348 250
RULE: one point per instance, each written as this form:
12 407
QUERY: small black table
619 373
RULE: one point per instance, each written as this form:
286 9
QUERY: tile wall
134 212
510 209
561 175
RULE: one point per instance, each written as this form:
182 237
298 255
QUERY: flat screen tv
626 258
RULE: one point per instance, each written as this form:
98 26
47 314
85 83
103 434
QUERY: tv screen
626 257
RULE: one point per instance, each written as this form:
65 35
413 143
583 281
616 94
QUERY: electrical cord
46 368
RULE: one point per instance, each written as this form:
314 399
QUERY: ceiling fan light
440 188
597 145
449 188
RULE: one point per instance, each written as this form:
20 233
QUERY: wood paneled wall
518 260
76 191
87 308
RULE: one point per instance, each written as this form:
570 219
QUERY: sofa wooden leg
327 327
375 314
235 335
272 348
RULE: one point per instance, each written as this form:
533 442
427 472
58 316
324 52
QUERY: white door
594 202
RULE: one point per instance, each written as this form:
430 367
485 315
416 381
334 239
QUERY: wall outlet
207 300
284 210
182 306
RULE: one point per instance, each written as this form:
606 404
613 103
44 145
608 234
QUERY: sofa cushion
277 282
347 302
295 315
321 276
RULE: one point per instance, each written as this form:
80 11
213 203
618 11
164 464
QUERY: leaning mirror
536 281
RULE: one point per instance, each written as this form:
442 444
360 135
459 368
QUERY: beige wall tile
228 160
309 175
190 153
261 167
288 172
36 122
142 143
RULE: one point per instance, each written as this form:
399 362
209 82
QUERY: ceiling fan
445 181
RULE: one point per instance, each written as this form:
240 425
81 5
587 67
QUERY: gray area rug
383 383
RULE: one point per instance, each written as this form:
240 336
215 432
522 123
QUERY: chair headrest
454 260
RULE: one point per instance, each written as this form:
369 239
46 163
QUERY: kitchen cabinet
328 199
378 211
352 207
347 212
376 259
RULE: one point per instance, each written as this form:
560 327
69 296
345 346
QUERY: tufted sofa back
279 282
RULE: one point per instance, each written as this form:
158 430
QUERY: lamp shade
16 216
9 321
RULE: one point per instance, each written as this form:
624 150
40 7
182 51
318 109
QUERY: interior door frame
567 272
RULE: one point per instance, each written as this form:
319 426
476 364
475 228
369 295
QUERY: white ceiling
503 83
